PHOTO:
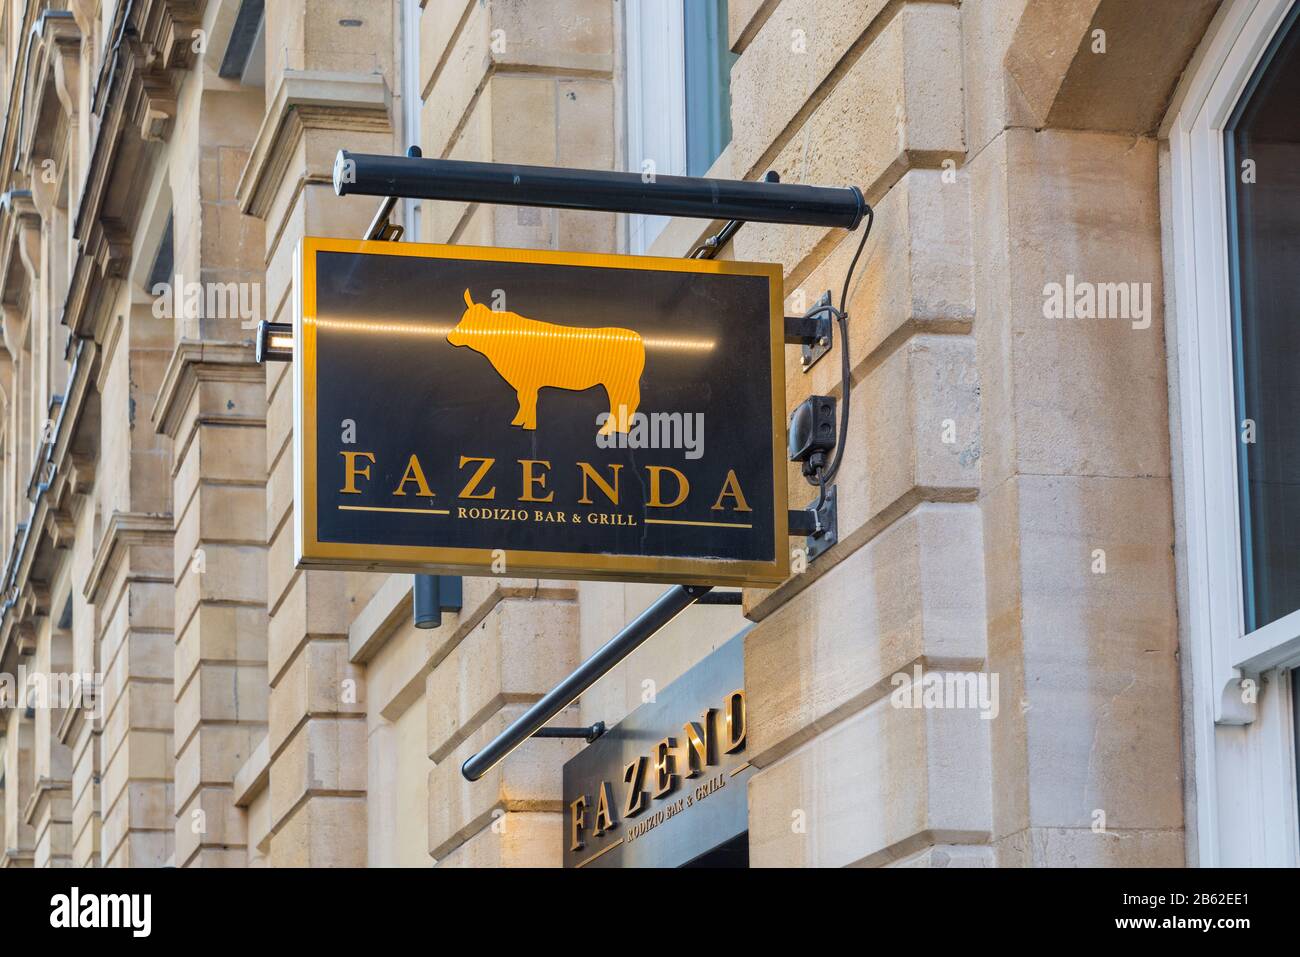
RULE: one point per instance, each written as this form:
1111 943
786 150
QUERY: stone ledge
517 654
324 758
834 650
1084 847
523 839
194 361
253 778
124 530
377 621
45 791
527 779
917 777
484 594
16 857
744 19
949 856
308 99
74 718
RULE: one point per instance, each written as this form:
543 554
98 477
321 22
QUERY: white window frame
1245 776
411 11
656 102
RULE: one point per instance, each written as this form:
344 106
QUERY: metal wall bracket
819 526
388 232
711 246
814 330
274 342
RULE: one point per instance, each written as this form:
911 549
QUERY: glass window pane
1262 154
708 83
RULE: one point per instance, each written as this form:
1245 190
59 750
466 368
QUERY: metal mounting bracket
710 247
818 526
814 330
274 342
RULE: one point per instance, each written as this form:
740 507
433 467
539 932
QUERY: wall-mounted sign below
478 411
667 785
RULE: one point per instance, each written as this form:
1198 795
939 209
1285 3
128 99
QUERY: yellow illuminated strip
603 850
380 508
736 771
433 331
674 521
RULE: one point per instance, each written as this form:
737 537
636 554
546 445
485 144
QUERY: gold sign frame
310 552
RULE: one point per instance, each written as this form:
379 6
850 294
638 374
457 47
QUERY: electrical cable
846 372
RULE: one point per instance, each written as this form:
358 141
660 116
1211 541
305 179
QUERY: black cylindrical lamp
427 601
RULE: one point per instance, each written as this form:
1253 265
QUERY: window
411 103
678 94
1234 238
1262 160
1261 143
708 84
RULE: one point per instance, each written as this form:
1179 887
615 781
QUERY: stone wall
1004 500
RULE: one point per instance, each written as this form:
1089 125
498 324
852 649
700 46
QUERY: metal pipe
368 174
378 227
721 598
665 608
588 734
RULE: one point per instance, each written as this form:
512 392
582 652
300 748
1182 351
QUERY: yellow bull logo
532 355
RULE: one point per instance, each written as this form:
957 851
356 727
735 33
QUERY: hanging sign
481 411
666 786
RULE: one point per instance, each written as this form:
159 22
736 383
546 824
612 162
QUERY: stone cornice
17 857
49 526
45 112
10 135
166 27
136 100
124 530
74 719
195 361
149 96
44 791
20 234
306 100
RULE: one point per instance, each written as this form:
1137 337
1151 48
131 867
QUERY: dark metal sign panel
484 411
669 782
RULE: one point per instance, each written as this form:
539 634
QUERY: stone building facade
1012 500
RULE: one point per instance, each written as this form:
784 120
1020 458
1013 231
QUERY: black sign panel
667 784
522 412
